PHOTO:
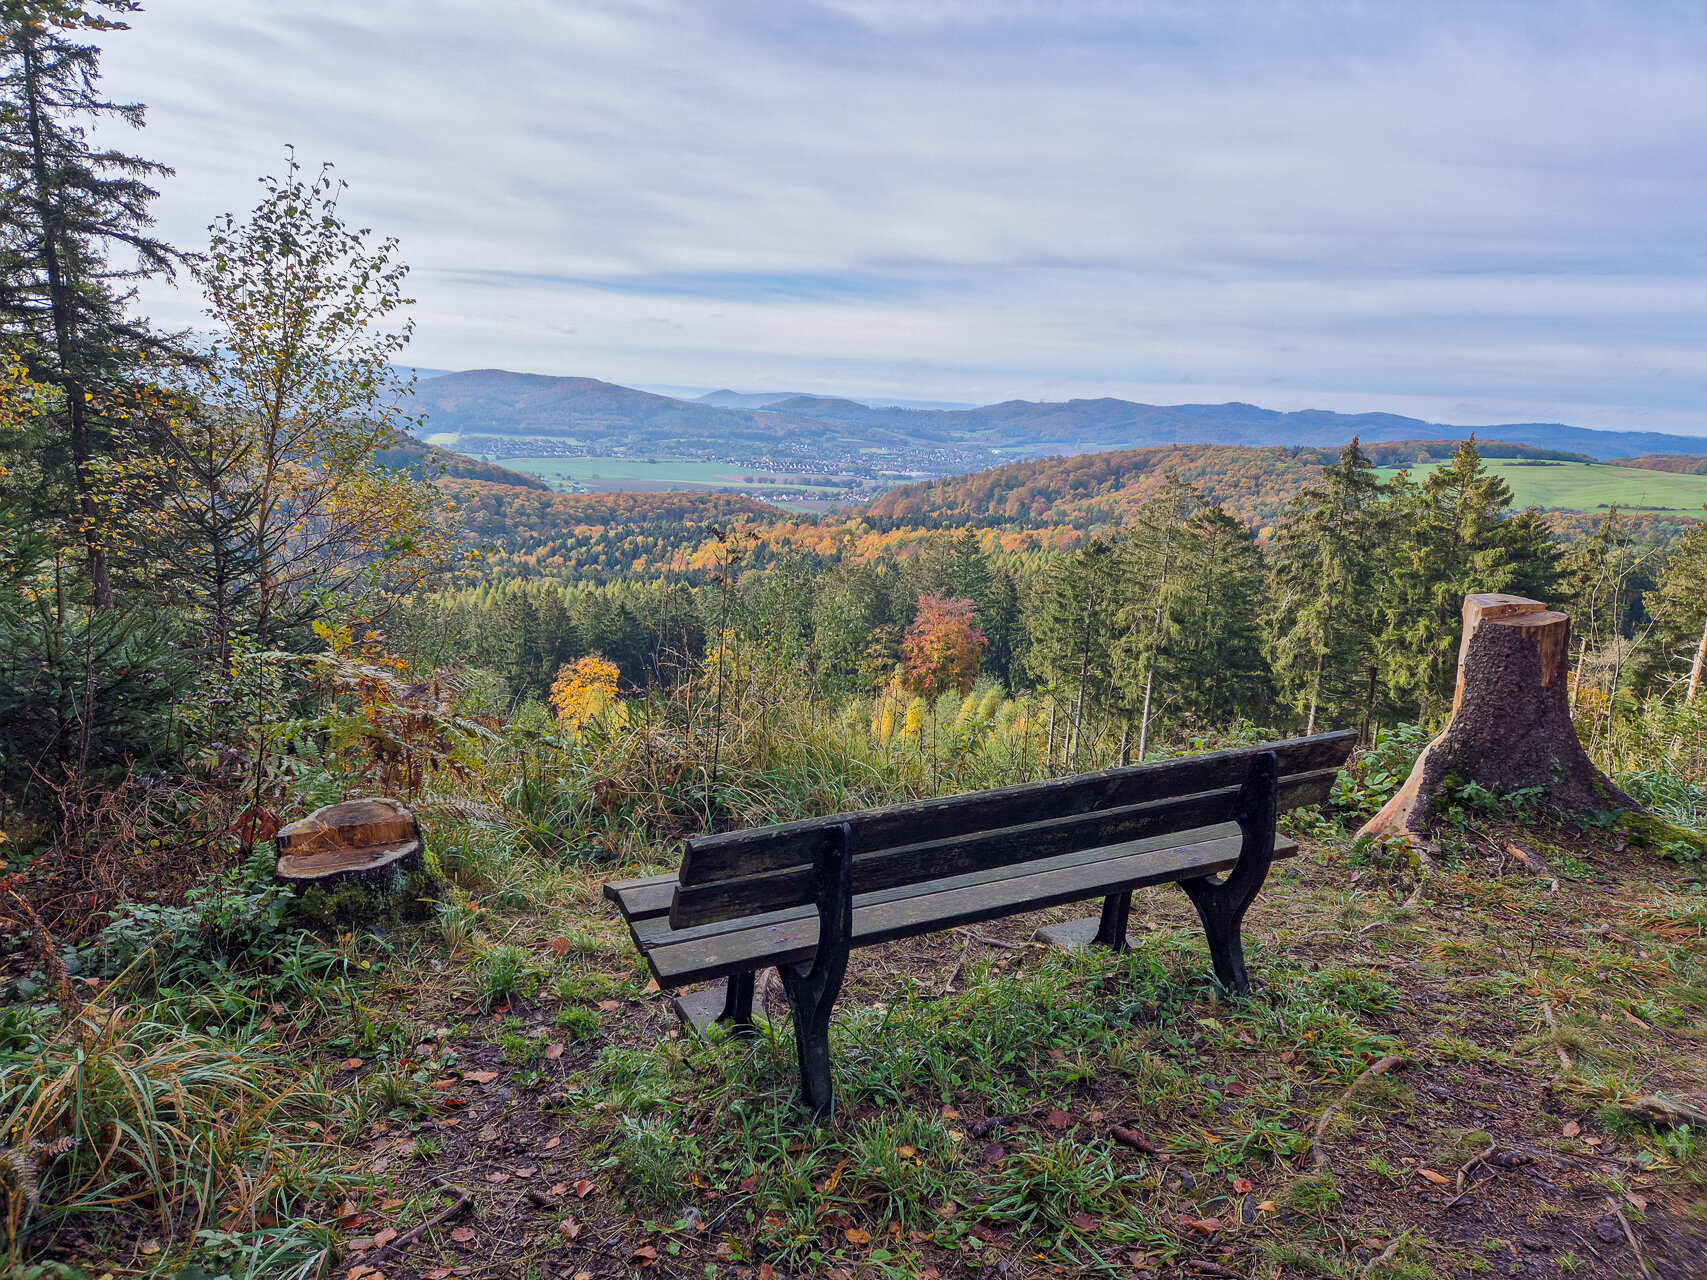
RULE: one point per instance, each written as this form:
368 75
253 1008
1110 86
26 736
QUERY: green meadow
1583 486
685 473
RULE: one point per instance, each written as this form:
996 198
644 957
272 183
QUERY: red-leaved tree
942 648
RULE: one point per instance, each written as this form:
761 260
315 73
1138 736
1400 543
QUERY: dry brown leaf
1439 1179
857 1235
1571 1129
569 1229
1243 1186
949 1113
352 1064
1057 1120
553 1052
497 1177
480 1077
383 1238
558 1190
554 1144
388 1204
610 1006
562 946
835 1178
462 1235
584 1188
1206 1226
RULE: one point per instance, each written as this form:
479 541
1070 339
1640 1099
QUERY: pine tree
75 237
1154 581
1214 670
1074 628
1677 652
1326 553
1453 540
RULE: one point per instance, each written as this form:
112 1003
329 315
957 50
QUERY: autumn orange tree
584 690
942 648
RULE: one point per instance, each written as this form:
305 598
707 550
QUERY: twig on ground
1378 1068
1553 1026
1629 1235
1386 1255
1463 1171
464 1198
998 942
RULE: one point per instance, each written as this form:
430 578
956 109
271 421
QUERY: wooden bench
801 895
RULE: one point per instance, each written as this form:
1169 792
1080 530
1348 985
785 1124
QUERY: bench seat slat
655 931
712 858
643 898
746 896
711 953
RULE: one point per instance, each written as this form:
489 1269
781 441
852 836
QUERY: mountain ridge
500 410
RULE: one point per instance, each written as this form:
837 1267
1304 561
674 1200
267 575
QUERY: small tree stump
1511 724
356 862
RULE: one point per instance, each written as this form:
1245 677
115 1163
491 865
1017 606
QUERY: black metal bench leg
737 1012
1116 911
1221 903
813 988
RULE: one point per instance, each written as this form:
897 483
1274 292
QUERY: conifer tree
1149 622
1213 669
1453 540
74 223
1677 653
1073 630
1326 553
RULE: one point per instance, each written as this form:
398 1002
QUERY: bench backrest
743 873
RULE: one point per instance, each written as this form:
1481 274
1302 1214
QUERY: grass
1582 486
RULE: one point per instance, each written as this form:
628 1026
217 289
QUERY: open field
642 475
1582 486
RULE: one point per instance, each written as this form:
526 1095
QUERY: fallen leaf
646 1253
352 1064
480 1077
1244 1186
1208 1137
363 1273
437 1273
1439 1179
497 1177
1133 1138
857 1235
652 985
1057 1120
569 1228
750 1182
1594 1142
1636 1201
149 1247
388 1204
383 1238
584 1188
1083 1221
835 1178
462 1235
1206 1226
525 1171
766 1271
553 1052
981 1232
610 1006
949 1113
947 1209
562 946
554 1144
1571 1129
906 1152
1268 1206
995 1153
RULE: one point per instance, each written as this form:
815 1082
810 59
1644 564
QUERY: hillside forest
234 589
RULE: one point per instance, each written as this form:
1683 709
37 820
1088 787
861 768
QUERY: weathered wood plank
656 931
733 899
707 859
786 941
643 898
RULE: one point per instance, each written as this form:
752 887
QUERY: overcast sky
1479 212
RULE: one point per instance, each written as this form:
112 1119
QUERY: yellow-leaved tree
584 690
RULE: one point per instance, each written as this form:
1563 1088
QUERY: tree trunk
1510 728
1700 667
356 862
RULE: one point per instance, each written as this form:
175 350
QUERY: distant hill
1106 488
1680 464
429 462
510 414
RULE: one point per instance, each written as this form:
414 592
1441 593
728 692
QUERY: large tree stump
1511 724
356 862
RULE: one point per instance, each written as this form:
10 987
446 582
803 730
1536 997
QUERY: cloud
1479 212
